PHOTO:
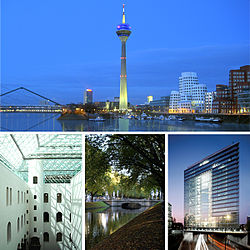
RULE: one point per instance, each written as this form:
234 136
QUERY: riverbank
95 205
146 231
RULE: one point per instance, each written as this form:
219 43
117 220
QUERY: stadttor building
211 190
123 32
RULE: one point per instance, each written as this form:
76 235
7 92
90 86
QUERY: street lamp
227 218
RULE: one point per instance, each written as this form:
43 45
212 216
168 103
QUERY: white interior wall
53 207
71 203
76 210
11 212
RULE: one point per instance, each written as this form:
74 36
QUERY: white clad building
173 102
198 97
41 191
209 101
186 82
192 94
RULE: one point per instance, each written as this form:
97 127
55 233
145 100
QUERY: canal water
49 122
101 223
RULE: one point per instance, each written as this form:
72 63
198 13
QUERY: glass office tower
211 190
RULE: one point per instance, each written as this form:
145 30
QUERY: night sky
59 48
184 150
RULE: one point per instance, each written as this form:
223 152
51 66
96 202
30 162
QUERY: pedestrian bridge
142 202
216 231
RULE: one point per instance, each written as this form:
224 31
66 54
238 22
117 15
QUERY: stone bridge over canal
142 202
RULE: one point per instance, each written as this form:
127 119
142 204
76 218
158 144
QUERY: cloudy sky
59 48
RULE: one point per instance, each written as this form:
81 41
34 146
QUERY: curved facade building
211 190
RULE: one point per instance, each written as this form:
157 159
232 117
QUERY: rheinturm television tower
123 32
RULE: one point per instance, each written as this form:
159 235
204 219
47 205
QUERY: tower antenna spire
123 14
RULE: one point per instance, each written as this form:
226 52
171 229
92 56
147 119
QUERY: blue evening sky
59 48
184 150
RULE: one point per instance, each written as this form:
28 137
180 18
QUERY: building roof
61 154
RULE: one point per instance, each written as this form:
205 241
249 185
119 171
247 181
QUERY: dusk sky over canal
59 48
185 150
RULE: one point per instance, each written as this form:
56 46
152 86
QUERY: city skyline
193 149
61 46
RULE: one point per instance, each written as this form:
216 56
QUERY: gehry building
41 191
191 96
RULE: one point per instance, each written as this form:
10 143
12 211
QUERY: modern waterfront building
174 101
239 81
211 190
41 191
222 102
191 96
161 104
88 96
234 98
123 32
209 97
187 81
198 97
149 99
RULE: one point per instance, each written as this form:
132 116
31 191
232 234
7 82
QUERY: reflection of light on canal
100 224
104 221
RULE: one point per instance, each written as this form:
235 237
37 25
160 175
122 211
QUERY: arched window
45 197
18 224
18 197
9 232
46 237
59 198
58 217
10 196
45 217
35 179
59 237
7 196
21 221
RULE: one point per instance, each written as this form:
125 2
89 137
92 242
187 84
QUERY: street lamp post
227 218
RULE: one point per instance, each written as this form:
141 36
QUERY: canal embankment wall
146 231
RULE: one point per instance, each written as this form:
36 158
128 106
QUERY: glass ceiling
61 154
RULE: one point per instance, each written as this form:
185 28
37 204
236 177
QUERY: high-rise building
149 99
88 96
123 32
239 82
211 190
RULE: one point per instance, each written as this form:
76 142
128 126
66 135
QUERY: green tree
140 157
97 170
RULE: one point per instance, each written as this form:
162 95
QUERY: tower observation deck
123 32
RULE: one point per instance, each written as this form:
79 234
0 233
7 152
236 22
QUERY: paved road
196 243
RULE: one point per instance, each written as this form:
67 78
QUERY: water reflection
101 223
49 122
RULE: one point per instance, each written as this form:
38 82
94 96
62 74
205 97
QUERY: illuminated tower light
123 32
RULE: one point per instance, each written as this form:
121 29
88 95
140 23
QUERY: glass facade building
211 190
